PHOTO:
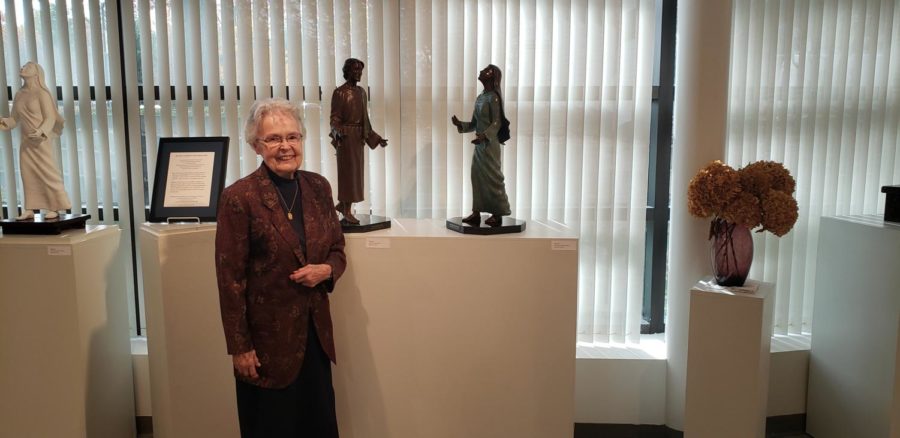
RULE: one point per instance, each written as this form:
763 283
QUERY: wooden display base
509 225
367 222
39 225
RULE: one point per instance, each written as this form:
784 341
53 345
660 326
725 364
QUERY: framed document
190 176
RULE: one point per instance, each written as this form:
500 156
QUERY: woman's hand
311 275
246 364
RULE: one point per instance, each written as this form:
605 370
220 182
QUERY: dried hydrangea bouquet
758 195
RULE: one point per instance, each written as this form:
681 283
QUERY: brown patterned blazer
256 251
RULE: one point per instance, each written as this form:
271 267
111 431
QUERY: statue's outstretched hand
383 142
456 122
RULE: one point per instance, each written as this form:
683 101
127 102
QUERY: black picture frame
173 145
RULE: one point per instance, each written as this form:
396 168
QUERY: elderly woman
279 252
35 111
488 189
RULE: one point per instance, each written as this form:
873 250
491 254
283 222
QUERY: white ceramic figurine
34 110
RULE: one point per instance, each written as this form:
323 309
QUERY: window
577 86
816 86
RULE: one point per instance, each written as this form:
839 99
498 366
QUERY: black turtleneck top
289 188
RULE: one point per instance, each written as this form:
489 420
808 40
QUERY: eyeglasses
274 141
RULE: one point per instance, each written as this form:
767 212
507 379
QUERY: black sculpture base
892 203
367 222
509 225
39 225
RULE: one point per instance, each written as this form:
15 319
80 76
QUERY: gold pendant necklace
290 211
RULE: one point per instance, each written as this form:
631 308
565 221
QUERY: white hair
264 107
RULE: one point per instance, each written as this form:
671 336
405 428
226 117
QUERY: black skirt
305 408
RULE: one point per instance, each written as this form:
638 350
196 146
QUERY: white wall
141 365
611 391
633 391
620 391
787 383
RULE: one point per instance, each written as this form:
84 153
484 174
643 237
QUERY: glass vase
731 252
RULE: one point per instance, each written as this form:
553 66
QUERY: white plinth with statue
447 335
65 357
438 334
728 360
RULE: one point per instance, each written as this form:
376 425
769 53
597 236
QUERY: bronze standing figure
350 132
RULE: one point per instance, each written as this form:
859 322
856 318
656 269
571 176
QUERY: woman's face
279 143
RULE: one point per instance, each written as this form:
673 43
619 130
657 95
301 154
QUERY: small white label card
563 245
378 242
59 250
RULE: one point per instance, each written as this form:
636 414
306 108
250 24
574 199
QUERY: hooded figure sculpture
491 129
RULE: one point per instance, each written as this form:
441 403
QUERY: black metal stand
39 225
891 203
367 222
508 225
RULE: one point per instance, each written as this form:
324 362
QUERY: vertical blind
815 85
577 87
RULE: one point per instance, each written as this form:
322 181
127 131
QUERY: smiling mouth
286 157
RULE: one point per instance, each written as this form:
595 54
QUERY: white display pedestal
438 334
728 361
65 357
854 368
441 334
191 378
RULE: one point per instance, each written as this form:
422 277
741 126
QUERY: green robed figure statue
491 130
